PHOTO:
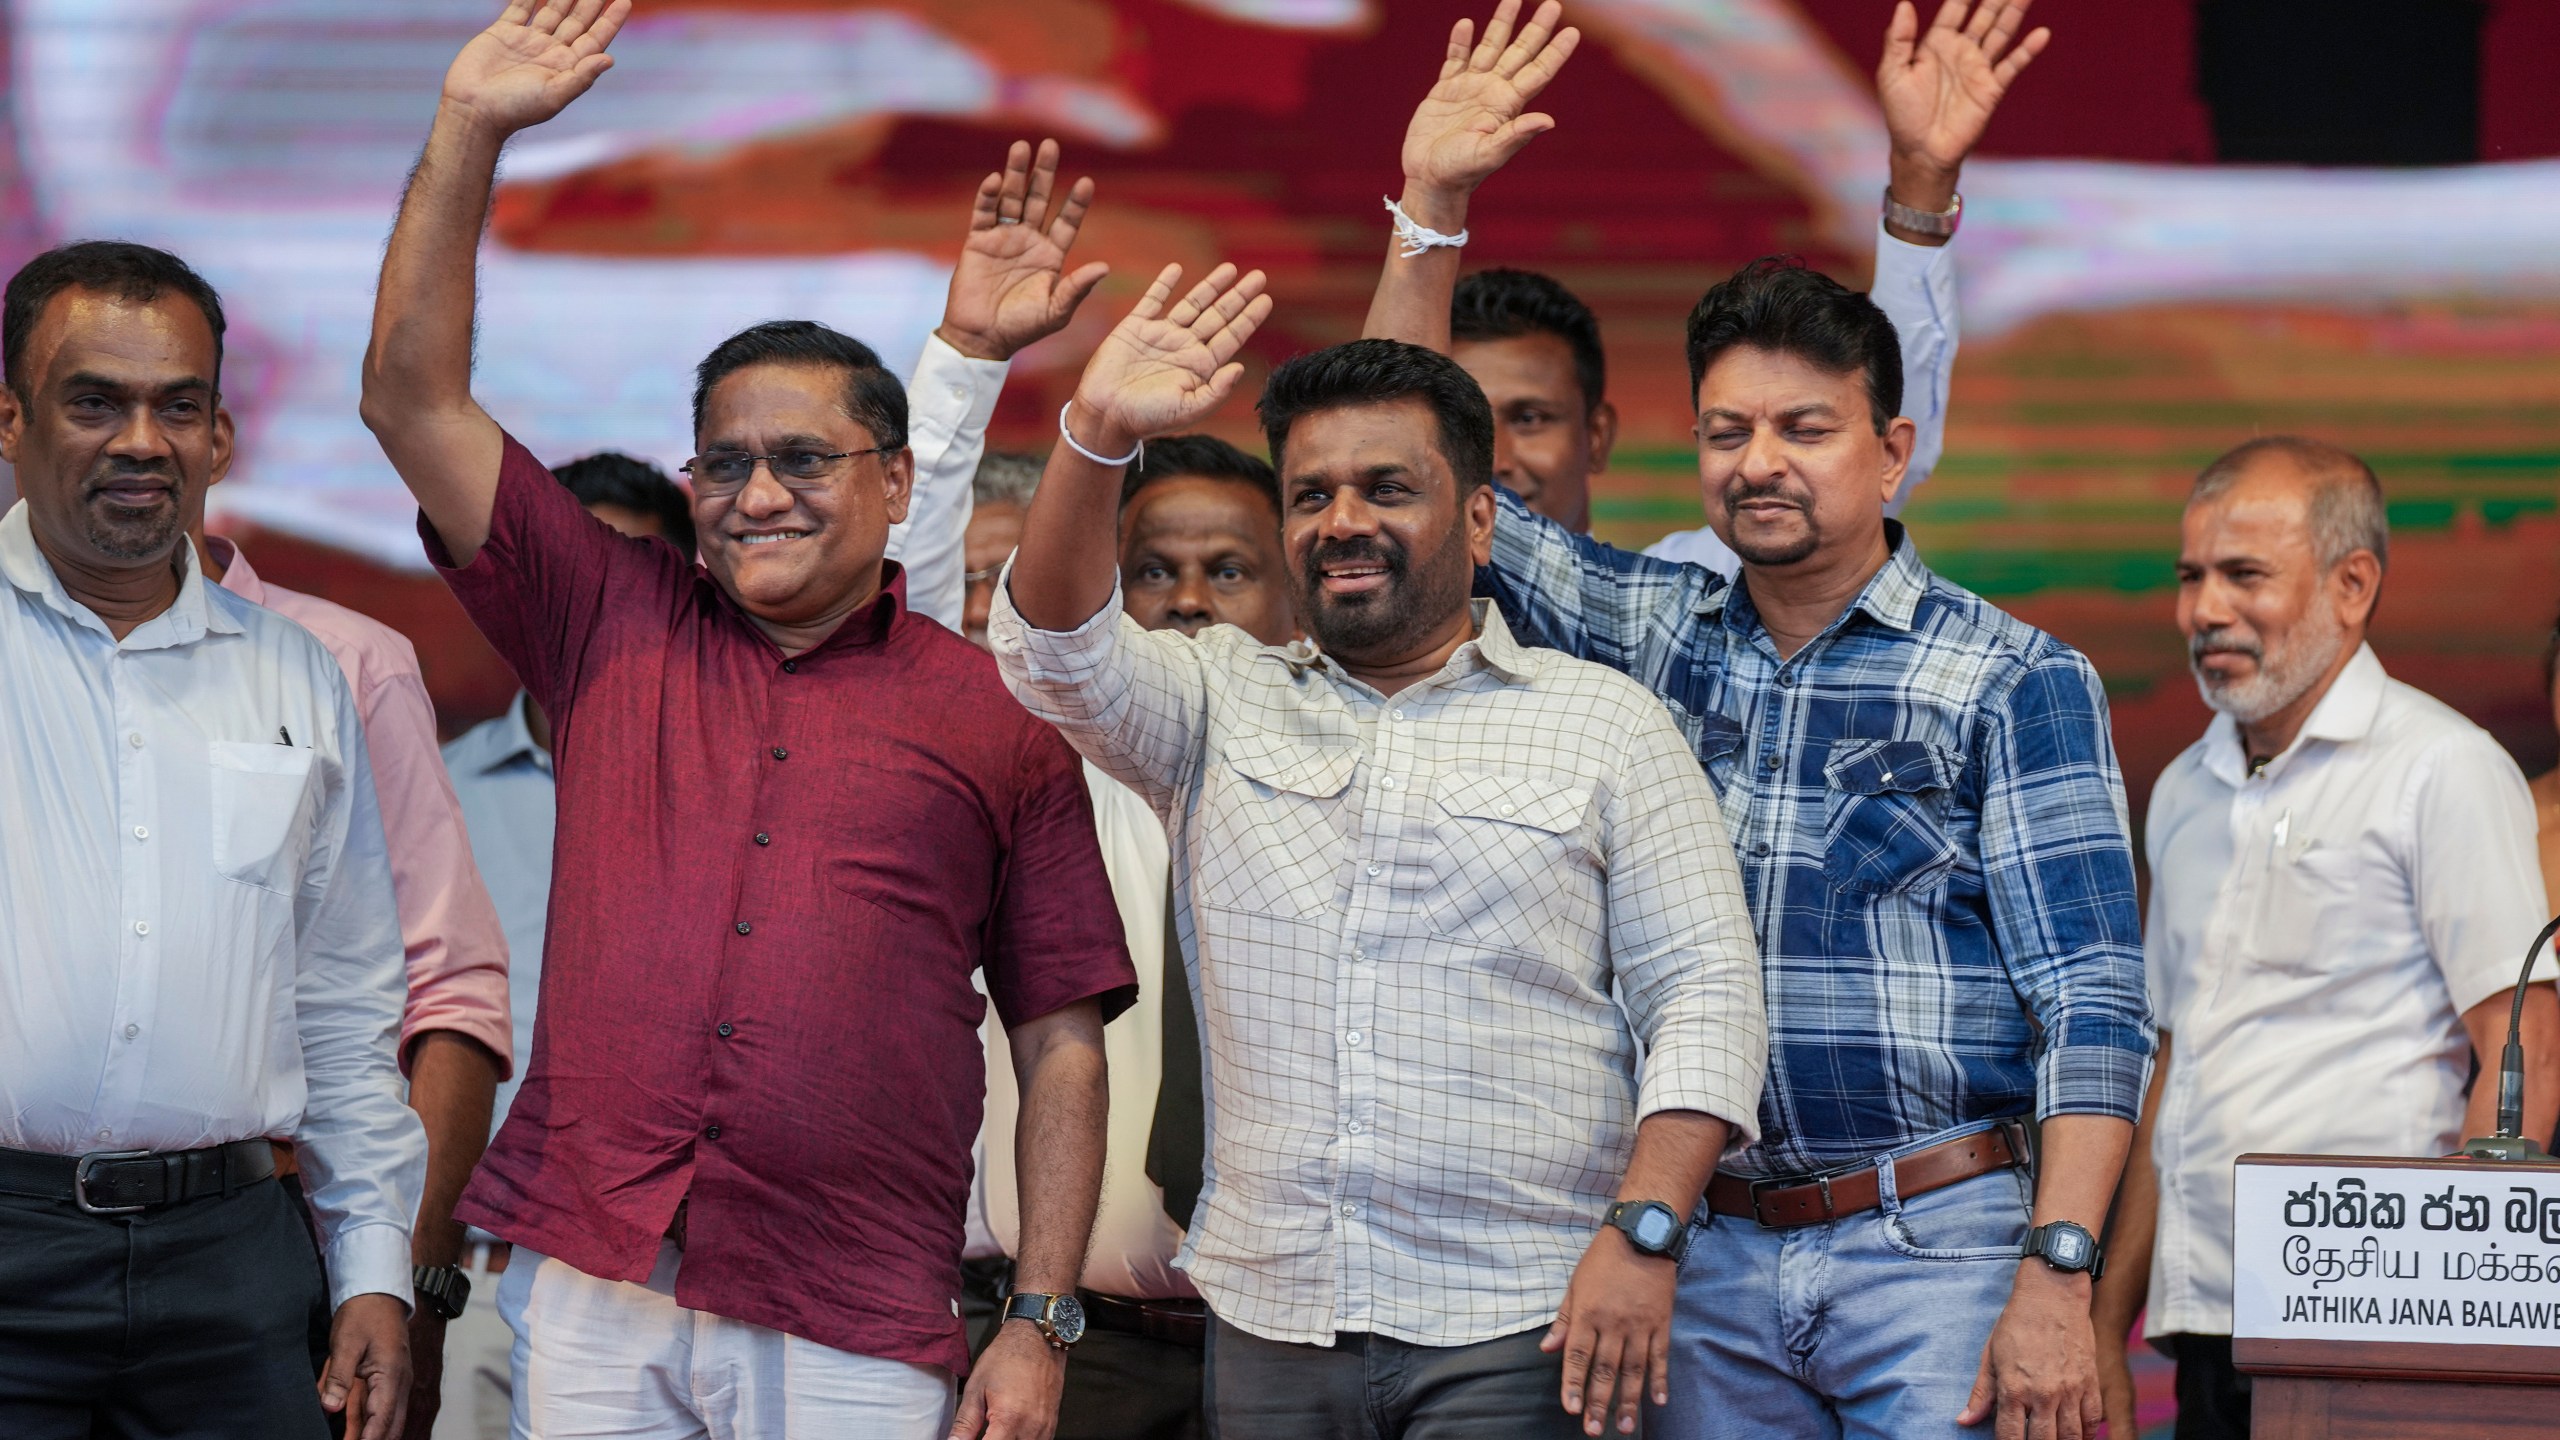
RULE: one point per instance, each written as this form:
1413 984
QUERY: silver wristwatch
1923 222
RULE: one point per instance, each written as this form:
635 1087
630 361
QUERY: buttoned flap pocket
1273 834
1717 740
261 812
1505 844
1885 829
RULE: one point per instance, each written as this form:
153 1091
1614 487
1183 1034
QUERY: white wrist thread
1070 437
1420 239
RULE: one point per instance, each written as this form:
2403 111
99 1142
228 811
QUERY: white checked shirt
198 941
1430 938
2316 932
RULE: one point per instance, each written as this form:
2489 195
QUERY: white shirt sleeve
1133 701
950 399
2474 869
362 1152
1916 288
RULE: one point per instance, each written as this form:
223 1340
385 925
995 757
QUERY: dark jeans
1368 1387
2213 1397
186 1322
1119 1387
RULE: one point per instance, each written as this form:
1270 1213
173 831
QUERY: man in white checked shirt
1416 870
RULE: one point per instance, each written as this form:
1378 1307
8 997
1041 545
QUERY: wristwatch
1059 1318
1941 223
1652 1227
444 1288
2067 1248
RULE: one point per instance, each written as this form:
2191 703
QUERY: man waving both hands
1440 891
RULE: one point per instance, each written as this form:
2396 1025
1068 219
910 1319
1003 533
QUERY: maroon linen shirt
773 879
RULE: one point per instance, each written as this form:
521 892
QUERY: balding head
2341 496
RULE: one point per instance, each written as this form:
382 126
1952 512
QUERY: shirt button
141 927
1355 1127
1373 874
106 1134
790 667
141 832
744 927
1351 1038
1397 715
1760 849
727 1029
711 1133
959 392
781 754
1507 809
1786 678
1388 781
1769 763
763 839
132 1030
136 738
1349 1210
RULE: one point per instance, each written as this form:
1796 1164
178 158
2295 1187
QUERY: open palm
1010 286
1939 88
1473 120
532 62
1170 363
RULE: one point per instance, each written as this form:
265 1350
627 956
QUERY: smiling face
1203 550
1381 546
1547 442
119 434
804 554
1789 462
2266 622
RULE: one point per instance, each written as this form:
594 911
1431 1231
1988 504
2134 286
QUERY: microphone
2509 1143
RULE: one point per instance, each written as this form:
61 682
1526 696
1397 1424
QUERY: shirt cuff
944 375
1049 656
1705 1077
1901 263
369 1259
2091 1080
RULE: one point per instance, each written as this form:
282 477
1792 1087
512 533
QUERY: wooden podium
2378 1299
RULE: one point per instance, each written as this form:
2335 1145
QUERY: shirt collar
495 744
1891 596
1493 648
2344 715
867 626
237 576
189 618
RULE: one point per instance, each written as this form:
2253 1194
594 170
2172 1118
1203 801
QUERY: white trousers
599 1358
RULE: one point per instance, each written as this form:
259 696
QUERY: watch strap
1621 1219
2038 1243
444 1287
1941 223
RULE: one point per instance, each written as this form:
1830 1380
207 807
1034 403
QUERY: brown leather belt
1178 1322
1786 1201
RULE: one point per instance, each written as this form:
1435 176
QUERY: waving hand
1171 362
1477 116
1011 286
1939 87
532 62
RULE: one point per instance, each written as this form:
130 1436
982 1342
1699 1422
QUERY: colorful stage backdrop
2131 307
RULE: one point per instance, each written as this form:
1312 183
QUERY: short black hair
1205 455
610 477
1779 305
133 273
1506 304
1376 372
872 396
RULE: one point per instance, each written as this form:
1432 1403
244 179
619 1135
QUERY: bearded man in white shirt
2343 884
199 947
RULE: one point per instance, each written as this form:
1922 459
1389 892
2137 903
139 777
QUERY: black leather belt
1178 1322
126 1182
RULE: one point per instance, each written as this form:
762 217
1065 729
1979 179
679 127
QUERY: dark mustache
1367 548
120 468
1738 492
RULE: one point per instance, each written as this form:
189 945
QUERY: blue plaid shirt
1932 833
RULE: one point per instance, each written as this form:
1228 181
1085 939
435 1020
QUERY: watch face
1654 1229
2070 1247
1066 1319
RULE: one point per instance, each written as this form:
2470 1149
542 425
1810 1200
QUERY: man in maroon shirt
735 1174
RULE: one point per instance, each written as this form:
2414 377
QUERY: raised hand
1473 121
1171 362
532 62
1939 87
1011 287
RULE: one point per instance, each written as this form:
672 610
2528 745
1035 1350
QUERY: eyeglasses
726 472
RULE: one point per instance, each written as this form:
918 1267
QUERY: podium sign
2358 1250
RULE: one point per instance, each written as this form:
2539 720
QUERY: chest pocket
1505 845
1274 833
261 813
1885 826
1717 740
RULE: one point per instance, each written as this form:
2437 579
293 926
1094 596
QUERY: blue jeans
1869 1326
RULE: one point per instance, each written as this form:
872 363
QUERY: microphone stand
2509 1143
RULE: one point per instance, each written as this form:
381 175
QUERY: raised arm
1474 120
520 71
1010 288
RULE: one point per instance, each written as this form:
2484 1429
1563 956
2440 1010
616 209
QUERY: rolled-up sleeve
1131 700
950 400
362 1152
2058 866
1680 939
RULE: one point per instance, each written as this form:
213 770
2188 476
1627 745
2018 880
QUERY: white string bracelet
1419 239
1070 437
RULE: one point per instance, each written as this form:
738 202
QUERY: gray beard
2282 678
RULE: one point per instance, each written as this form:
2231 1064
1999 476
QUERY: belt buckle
80 1181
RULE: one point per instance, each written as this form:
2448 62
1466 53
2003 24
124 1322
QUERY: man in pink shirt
456 1039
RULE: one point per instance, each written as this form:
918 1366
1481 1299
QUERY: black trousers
1119 1387
189 1323
1371 1387
2213 1396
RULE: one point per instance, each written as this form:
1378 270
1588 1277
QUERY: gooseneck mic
2509 1143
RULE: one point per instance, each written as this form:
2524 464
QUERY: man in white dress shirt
199 948
2343 884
